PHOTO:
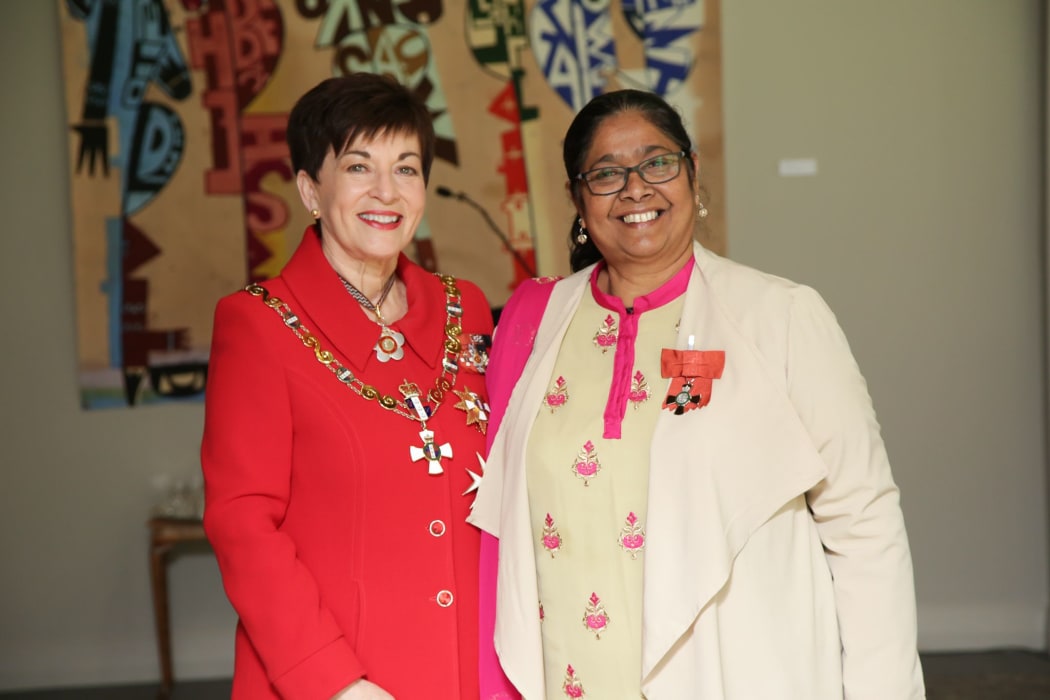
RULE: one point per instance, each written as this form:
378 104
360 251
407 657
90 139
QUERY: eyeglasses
611 179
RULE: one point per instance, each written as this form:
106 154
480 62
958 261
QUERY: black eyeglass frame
637 168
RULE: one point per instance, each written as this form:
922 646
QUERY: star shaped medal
475 479
476 409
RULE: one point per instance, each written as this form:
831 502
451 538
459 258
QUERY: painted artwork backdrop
181 186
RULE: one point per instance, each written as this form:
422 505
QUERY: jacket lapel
716 474
331 312
317 291
518 639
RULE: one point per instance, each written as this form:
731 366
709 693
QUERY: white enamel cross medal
430 451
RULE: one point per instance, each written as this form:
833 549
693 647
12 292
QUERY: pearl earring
581 231
701 210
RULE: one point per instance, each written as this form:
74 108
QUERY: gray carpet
990 687
992 675
184 690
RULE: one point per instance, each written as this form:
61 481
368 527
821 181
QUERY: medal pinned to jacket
692 374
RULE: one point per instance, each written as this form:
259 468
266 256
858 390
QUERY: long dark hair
580 136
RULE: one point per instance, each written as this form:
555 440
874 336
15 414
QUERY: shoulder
523 313
537 286
471 294
735 281
531 293
246 313
773 313
477 313
430 289
746 293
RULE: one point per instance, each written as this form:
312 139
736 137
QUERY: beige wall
922 229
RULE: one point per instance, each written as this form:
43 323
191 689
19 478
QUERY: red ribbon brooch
692 374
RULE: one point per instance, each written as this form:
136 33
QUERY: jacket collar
664 294
318 293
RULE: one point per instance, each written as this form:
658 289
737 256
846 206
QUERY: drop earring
581 231
701 210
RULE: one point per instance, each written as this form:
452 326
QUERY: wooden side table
164 534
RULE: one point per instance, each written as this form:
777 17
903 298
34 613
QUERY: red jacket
334 546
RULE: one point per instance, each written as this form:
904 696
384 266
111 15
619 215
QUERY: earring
701 210
581 232
315 213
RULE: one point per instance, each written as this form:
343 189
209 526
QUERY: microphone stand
443 191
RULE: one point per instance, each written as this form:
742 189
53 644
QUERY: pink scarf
511 347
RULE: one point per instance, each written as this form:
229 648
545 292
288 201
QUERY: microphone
443 191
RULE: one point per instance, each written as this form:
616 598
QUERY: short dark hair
580 136
337 111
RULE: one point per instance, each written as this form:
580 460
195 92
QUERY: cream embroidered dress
587 473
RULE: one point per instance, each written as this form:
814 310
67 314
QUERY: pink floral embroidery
586 464
632 536
551 538
542 614
558 395
572 686
639 390
605 338
595 619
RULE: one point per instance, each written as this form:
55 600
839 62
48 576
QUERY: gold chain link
449 363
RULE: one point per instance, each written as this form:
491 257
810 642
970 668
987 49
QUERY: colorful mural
181 186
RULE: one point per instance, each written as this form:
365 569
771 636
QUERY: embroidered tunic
774 537
587 473
342 556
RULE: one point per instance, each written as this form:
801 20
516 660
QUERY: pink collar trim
667 292
623 363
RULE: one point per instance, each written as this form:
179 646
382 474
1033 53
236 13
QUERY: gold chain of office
442 384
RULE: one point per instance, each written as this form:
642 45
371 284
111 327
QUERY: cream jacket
777 565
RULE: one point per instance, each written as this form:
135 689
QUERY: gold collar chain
413 410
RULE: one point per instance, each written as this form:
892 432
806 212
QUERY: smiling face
371 199
644 226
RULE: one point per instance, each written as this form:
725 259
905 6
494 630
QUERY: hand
362 690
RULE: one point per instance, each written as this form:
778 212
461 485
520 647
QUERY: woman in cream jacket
767 559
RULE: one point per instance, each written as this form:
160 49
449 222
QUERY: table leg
159 579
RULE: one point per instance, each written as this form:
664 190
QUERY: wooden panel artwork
180 181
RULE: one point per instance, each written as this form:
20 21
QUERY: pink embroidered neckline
667 292
623 364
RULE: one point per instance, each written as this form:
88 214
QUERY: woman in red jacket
345 411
